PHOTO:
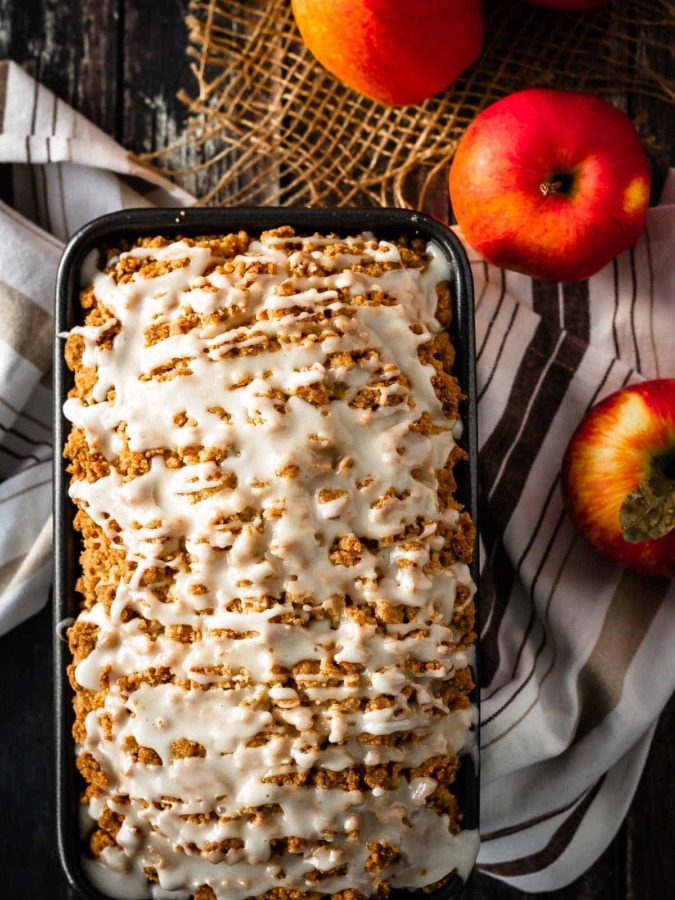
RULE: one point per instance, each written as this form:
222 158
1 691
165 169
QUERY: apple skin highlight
610 452
395 52
590 156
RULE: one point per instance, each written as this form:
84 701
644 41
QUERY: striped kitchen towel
577 658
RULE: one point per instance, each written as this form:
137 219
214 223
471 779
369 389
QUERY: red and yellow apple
618 477
551 183
393 51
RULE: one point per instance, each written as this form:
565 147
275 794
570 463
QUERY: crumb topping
271 662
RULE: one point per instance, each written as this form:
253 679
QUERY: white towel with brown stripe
577 654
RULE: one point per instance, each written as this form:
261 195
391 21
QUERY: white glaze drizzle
254 536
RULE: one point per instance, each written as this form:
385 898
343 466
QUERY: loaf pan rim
190 221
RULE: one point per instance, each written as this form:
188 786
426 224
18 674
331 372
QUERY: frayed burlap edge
268 125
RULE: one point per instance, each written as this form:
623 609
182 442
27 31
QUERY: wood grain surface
121 63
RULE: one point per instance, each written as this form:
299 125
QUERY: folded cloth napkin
577 654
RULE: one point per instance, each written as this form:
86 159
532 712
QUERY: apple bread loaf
271 661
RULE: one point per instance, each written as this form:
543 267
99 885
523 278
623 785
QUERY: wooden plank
153 115
650 825
154 68
28 856
70 47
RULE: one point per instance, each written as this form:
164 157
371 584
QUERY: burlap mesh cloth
268 125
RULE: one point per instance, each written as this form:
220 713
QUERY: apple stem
550 187
648 512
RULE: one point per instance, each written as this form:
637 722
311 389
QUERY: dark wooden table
121 62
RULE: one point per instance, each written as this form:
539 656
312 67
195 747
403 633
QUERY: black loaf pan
384 223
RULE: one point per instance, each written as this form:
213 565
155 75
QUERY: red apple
551 183
569 4
618 477
393 51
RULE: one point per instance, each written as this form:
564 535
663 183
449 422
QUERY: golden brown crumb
99 840
326 495
146 756
204 892
444 304
380 856
347 551
93 774
186 634
82 639
183 748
